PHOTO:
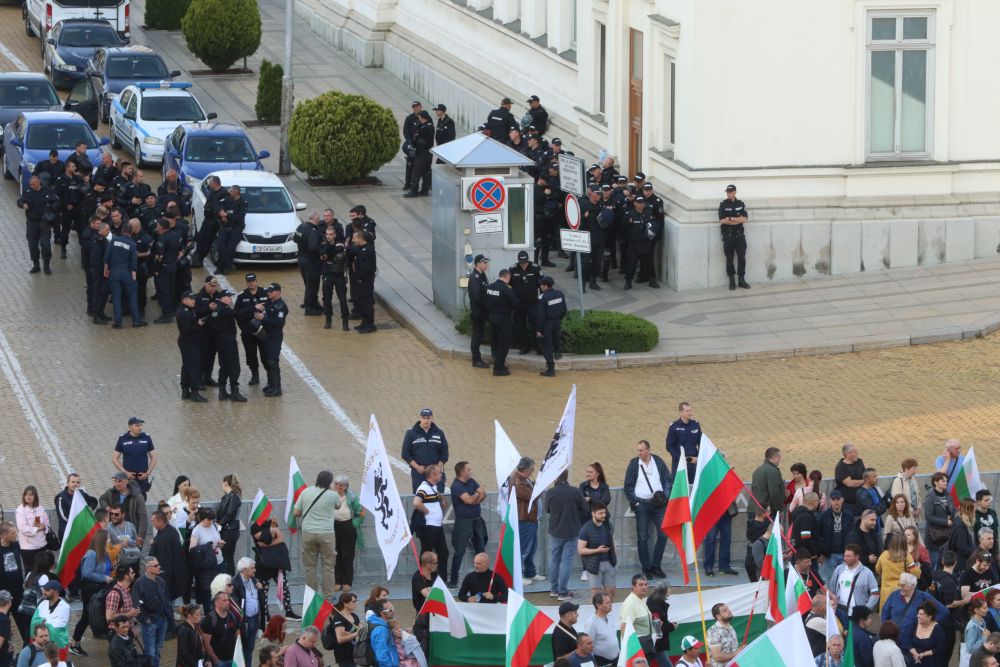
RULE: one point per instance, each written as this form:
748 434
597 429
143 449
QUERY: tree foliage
220 32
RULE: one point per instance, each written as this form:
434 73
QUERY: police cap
251 277
506 100
548 281
440 107
557 141
273 287
605 187
622 179
639 176
481 258
534 98
640 200
522 256
730 188
188 295
415 104
647 186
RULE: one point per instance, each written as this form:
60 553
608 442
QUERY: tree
268 105
165 14
220 32
342 137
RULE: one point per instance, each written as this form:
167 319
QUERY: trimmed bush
165 14
268 106
601 330
220 32
341 137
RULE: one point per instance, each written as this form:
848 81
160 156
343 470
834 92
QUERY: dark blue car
71 44
114 67
25 91
28 139
195 150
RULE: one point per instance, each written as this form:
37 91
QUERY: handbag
659 499
274 558
52 541
937 535
32 596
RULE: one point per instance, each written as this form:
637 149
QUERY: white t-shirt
844 583
644 490
432 501
202 535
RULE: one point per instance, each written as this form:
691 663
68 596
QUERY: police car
145 114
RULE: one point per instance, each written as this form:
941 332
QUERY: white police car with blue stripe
144 115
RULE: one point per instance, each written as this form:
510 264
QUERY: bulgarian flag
57 634
982 594
526 626
848 659
315 610
716 487
784 645
631 649
238 659
261 509
773 570
966 482
296 485
441 602
80 528
796 594
677 519
508 564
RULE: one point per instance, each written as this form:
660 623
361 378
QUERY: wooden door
635 101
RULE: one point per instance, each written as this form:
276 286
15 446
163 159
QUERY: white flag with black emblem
506 459
381 498
560 453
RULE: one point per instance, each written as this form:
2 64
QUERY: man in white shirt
647 487
604 634
53 611
428 502
723 644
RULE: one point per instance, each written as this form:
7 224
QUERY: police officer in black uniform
363 268
106 171
411 124
548 323
501 120
246 306
232 221
87 240
333 254
732 215
70 188
539 116
658 209
272 315
478 309
609 220
40 206
549 214
164 268
53 167
641 230
308 237
524 280
425 444
84 166
144 251
99 282
189 327
209 222
229 354
501 303
445 130
590 209
206 307
149 213
423 142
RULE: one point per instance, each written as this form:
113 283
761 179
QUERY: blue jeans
827 567
119 282
645 516
528 532
249 636
153 636
562 549
721 532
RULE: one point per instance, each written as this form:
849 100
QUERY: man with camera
253 343
40 206
647 487
333 255
272 316
232 220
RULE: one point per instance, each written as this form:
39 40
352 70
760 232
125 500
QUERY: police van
41 15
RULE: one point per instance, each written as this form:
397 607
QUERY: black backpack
329 636
364 654
97 613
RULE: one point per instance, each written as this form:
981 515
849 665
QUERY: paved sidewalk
848 313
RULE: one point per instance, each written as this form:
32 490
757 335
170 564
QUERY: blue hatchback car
28 139
71 44
195 150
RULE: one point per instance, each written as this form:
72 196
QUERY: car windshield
63 135
219 149
34 94
266 199
88 36
179 108
136 67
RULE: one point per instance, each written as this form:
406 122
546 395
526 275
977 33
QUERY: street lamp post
287 91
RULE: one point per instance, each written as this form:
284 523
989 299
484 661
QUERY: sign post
573 239
571 175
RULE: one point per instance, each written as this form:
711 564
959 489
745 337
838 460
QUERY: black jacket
122 652
227 514
805 530
500 301
477 294
499 123
63 502
190 649
632 478
423 447
169 551
445 130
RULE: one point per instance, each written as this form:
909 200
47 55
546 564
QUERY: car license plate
266 248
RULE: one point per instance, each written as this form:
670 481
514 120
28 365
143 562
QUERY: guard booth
483 204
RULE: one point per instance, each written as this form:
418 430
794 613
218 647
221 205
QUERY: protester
988 649
870 498
898 516
904 484
527 518
273 559
596 546
566 509
467 497
481 585
227 516
221 626
647 487
854 584
798 481
901 607
835 523
168 549
190 644
32 526
848 476
893 562
604 634
939 515
690 647
205 553
864 641
986 517
122 651
6 627
428 514
31 655
961 540
834 653
926 640
975 630
303 652
12 577
423 579
815 486
315 512
886 652
155 610
766 483
659 609
723 644
380 634
348 533
866 536
595 487
634 609
564 635
346 626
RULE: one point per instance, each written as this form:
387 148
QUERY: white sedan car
271 217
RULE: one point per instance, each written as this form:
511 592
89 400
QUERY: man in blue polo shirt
134 454
684 434
467 495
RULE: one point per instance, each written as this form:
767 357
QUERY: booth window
518 229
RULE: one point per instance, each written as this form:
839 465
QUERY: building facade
859 132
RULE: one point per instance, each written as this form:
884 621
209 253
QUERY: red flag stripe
75 557
526 647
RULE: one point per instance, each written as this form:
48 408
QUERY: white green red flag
966 481
716 487
848 659
631 649
773 570
508 564
57 633
296 485
784 645
796 594
315 610
80 528
526 625
677 519
982 594
441 602
261 509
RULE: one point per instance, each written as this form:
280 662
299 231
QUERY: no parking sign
488 195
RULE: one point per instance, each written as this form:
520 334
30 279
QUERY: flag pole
701 603
417 557
785 539
753 608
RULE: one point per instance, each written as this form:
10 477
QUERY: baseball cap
834 495
534 98
481 258
594 166
273 287
188 295
135 420
689 643
251 277
120 475
506 100
730 188
440 107
557 141
522 256
567 607
426 412
52 585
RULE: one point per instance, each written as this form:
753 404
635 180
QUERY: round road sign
488 195
572 209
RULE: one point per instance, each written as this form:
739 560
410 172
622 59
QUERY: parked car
145 114
25 91
28 139
71 45
271 218
115 67
195 150
40 16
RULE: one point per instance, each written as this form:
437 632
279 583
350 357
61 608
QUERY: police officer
210 222
424 444
423 142
229 354
40 205
478 309
658 209
539 116
144 252
70 188
272 315
87 240
641 231
53 167
173 190
548 323
609 219
684 434
135 193
333 254
206 307
501 302
121 263
189 327
500 120
99 283
411 124
363 269
307 238
524 279
232 221
84 166
590 209
732 215
246 306
106 172
149 213
445 130
164 268
548 212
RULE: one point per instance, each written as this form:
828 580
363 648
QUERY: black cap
548 281
534 98
595 187
273 287
532 128
594 166
557 141
647 186
227 292
554 165
730 188
415 104
481 258
440 107
251 277
506 100
639 176
522 256
426 412
135 420
567 607
640 198
622 179
605 187
188 295
482 127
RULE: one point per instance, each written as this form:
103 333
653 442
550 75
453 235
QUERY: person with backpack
378 638
32 655
341 631
95 574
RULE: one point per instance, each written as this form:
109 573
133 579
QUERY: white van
41 15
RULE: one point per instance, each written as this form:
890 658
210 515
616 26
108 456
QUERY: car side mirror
212 116
129 116
104 141
264 155
301 206
174 73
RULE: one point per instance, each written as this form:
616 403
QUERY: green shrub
464 326
342 137
268 106
165 14
601 330
220 32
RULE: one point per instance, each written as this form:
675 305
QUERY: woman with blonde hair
961 541
920 555
893 562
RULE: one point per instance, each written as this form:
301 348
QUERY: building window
572 24
518 229
669 106
602 65
900 84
